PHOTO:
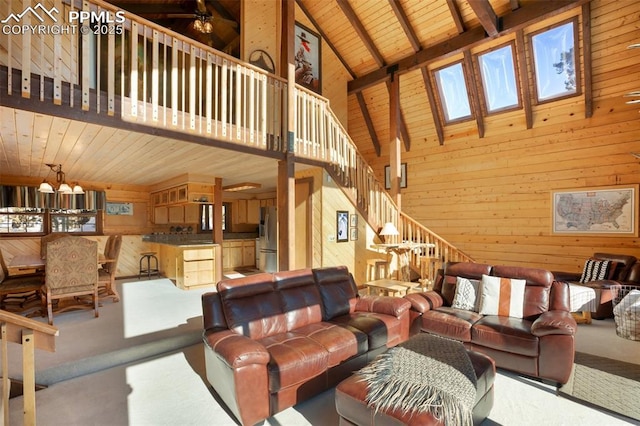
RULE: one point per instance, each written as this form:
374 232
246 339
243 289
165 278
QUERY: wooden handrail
31 335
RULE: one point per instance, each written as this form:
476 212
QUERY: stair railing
321 137
31 335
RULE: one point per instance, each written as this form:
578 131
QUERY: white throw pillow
502 296
467 293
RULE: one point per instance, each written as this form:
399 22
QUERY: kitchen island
191 264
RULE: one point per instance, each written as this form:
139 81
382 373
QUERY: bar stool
377 269
148 271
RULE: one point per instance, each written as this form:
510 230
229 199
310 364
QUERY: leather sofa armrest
383 305
235 349
423 302
554 322
566 276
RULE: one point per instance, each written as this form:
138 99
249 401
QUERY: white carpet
171 389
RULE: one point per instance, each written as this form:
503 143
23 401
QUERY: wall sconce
61 184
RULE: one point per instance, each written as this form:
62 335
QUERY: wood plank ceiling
371 38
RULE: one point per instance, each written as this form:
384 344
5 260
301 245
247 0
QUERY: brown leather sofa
626 272
274 340
541 344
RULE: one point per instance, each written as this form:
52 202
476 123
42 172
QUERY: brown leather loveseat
540 344
625 271
274 340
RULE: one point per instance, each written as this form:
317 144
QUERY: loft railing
163 79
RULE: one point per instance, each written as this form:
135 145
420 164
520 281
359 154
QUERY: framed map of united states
611 210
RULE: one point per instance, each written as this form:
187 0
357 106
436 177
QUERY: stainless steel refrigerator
268 241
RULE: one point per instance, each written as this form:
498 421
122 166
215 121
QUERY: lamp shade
46 188
389 229
65 189
77 189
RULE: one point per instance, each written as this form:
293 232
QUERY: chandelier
61 184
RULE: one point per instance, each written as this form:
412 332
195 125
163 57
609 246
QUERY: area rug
606 383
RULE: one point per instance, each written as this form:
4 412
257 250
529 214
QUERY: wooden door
304 246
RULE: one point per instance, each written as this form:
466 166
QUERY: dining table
25 264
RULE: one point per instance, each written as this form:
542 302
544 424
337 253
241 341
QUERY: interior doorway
304 243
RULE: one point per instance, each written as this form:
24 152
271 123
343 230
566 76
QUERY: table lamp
388 230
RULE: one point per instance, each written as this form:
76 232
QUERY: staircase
165 80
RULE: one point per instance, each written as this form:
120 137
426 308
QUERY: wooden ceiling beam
362 32
404 23
487 16
368 122
455 14
520 18
524 79
326 39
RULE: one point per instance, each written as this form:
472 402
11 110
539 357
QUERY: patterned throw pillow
466 296
502 296
595 270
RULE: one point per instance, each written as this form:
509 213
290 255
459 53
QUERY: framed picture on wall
403 176
342 226
595 211
353 234
308 58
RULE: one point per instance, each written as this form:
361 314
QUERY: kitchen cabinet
161 215
192 213
253 211
249 253
242 211
238 253
176 214
191 266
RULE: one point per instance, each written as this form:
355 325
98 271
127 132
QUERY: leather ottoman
353 410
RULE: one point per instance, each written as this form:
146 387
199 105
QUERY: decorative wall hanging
308 58
342 226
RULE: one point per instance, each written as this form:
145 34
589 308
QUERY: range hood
30 197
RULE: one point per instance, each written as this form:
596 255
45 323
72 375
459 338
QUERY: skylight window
555 62
453 93
499 79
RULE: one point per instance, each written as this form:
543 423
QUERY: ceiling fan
205 19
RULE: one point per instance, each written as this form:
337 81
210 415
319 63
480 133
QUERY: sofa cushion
294 359
251 306
300 298
506 334
595 270
340 342
466 295
337 289
502 296
450 322
380 329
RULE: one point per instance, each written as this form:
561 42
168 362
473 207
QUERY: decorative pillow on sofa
596 270
502 296
467 293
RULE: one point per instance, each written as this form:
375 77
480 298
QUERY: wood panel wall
327 199
491 196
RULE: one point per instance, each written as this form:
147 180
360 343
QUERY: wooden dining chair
107 274
71 272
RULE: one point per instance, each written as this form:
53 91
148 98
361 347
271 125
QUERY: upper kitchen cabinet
182 194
